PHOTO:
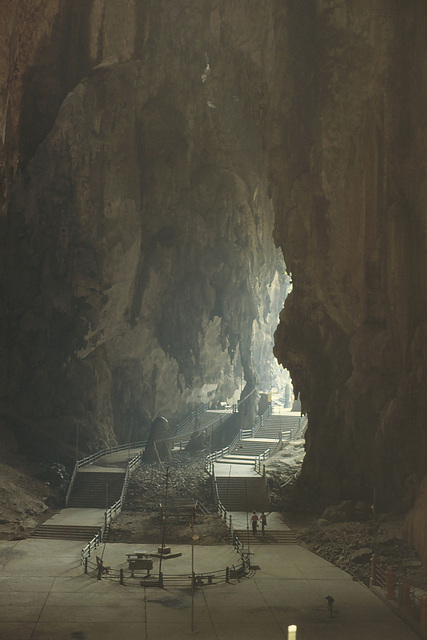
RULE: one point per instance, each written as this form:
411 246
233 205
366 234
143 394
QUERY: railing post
423 613
86 564
374 564
160 580
121 577
227 574
406 599
263 470
390 584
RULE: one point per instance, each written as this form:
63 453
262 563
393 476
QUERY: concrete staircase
265 437
96 490
65 532
251 447
275 423
243 494
270 537
206 422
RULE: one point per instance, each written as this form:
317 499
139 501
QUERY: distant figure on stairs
263 522
254 521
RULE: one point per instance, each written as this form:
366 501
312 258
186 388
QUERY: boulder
196 443
361 556
340 512
159 443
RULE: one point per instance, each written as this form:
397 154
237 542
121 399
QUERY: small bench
139 560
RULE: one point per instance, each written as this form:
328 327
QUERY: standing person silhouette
263 522
254 521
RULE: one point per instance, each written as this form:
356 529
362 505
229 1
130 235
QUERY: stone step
250 481
236 460
243 494
66 532
270 537
95 489
90 504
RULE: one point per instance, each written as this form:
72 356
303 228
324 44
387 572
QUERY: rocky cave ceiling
150 151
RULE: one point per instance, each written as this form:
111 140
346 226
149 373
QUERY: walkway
240 488
203 422
265 438
44 595
83 522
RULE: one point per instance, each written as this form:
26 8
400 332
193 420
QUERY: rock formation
146 148
135 200
352 228
160 441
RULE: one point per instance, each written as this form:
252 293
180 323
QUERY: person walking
254 521
263 522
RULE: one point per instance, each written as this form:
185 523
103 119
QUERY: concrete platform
77 517
111 462
235 470
44 595
242 520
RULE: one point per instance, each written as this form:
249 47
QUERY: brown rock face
352 227
145 147
137 229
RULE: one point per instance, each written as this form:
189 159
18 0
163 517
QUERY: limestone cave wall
350 205
136 224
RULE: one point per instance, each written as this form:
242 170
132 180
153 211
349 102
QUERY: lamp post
194 539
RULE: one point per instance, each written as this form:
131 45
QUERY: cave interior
170 173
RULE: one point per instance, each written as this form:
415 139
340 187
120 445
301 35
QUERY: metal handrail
102 452
301 427
70 485
112 511
265 415
95 456
200 409
196 578
262 456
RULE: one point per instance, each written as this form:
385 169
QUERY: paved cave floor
45 595
25 501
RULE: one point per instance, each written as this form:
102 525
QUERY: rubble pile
186 479
281 472
350 546
142 521
346 534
